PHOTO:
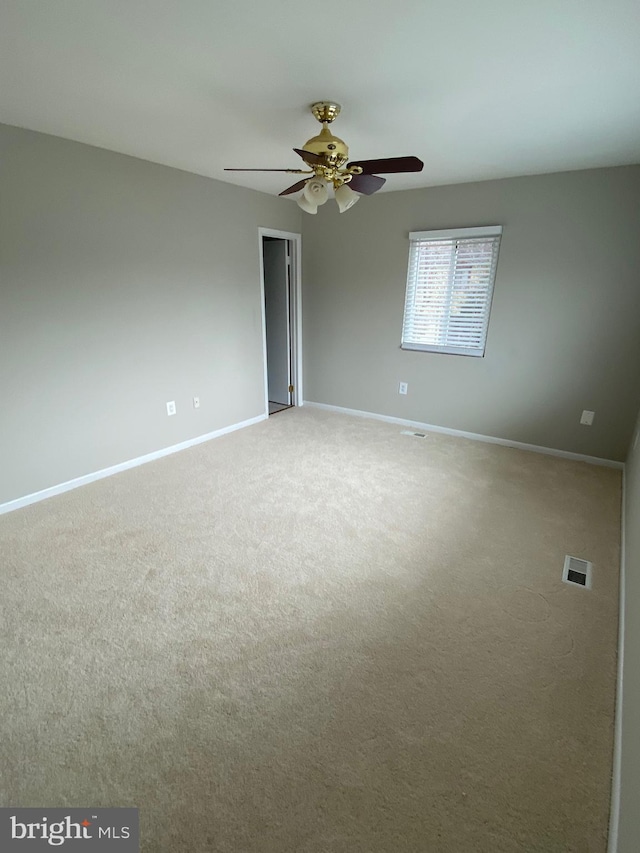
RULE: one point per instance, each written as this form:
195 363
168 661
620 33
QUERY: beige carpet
319 635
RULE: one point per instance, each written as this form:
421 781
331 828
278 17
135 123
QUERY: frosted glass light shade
315 191
306 205
345 197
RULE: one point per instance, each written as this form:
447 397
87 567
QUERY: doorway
280 272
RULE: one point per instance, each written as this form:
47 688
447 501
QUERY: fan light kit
327 157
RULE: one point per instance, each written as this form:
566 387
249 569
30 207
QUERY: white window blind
449 289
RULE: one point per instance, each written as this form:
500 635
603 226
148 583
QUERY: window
449 288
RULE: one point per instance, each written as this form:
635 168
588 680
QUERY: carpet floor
319 635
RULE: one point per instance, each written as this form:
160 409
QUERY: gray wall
629 831
565 327
123 285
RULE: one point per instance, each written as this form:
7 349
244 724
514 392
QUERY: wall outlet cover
171 408
587 418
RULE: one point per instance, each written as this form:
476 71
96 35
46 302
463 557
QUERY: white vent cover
577 572
411 432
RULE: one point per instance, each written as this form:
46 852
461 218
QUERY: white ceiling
476 90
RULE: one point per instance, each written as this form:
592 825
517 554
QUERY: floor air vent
411 432
577 572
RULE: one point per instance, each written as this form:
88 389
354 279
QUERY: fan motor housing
332 148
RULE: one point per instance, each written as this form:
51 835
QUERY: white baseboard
614 811
549 451
123 466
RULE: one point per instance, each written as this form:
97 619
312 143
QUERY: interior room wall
629 827
564 333
123 285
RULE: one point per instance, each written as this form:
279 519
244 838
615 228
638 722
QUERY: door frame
295 313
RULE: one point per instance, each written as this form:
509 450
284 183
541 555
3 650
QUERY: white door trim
295 244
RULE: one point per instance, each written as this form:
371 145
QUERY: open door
277 301
280 266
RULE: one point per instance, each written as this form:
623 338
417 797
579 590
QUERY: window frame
445 235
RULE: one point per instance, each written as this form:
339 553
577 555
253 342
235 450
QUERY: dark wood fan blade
389 165
294 188
366 184
291 171
308 157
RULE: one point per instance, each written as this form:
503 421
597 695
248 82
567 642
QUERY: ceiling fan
327 156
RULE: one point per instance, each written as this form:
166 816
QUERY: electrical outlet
587 418
403 388
171 408
196 402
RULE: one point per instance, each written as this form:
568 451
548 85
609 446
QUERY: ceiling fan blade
366 184
389 165
291 171
311 159
294 188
